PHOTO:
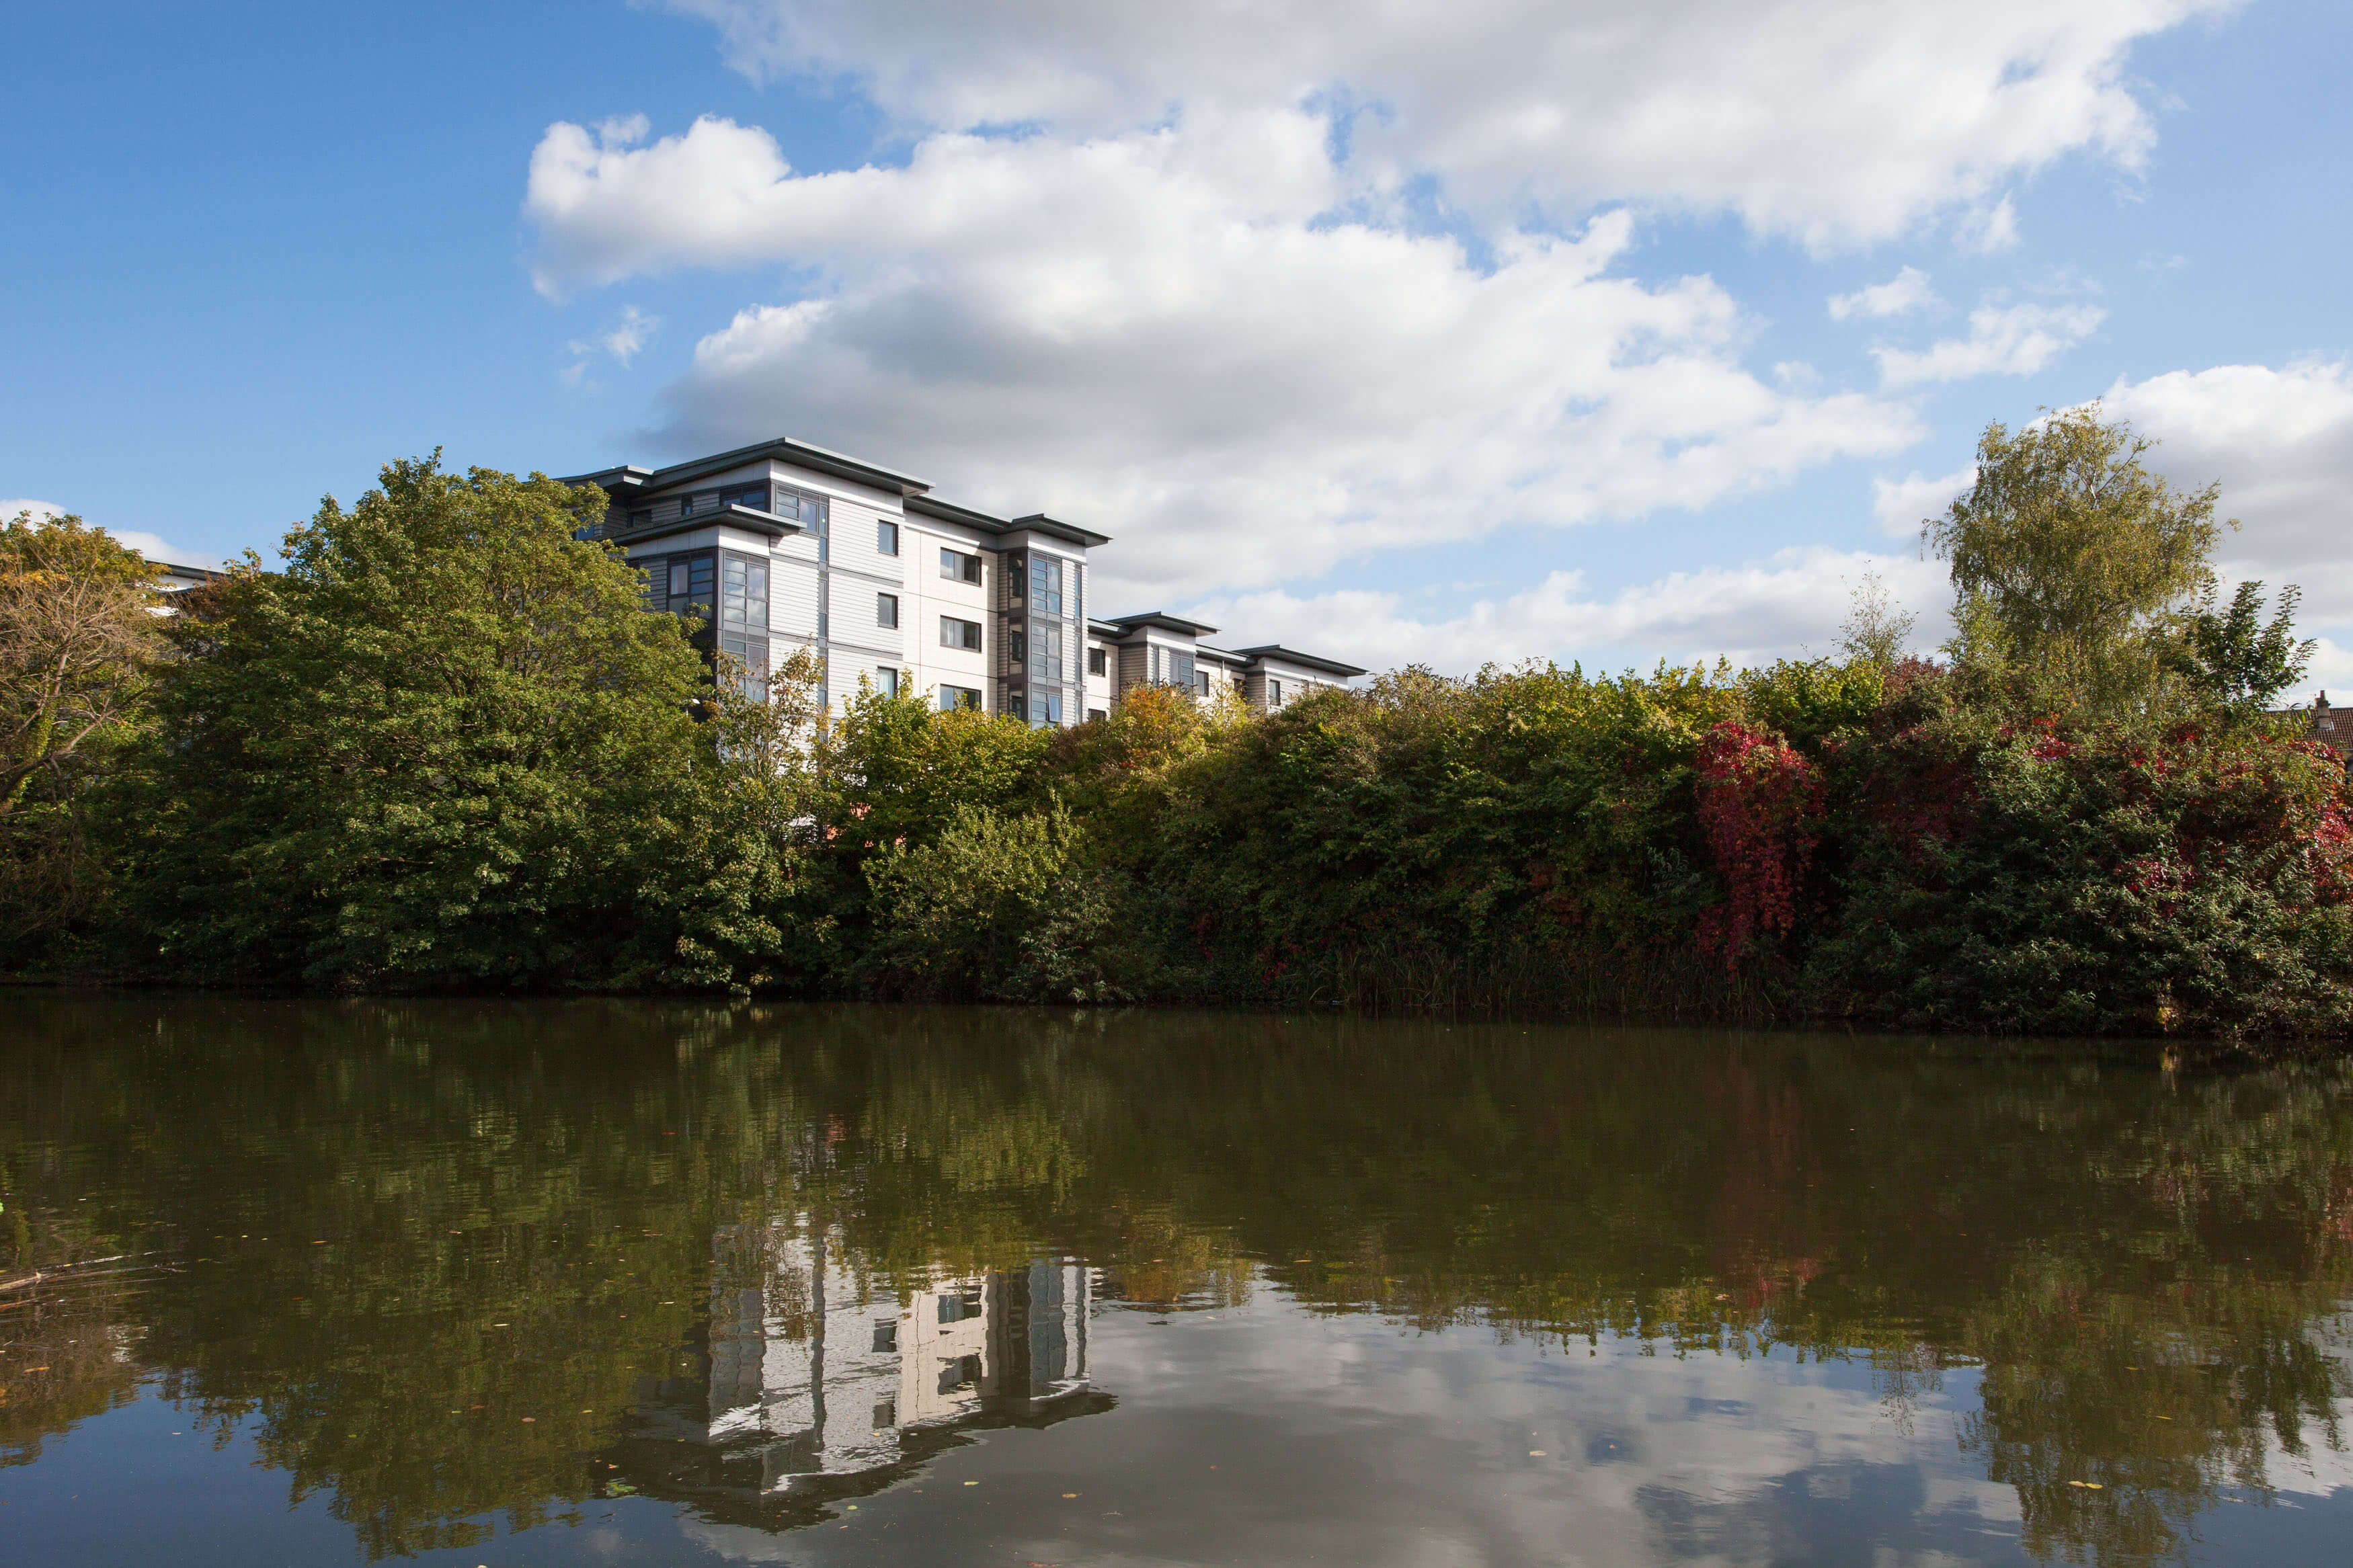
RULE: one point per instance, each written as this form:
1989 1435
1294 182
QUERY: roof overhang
743 517
1053 528
1164 621
1303 660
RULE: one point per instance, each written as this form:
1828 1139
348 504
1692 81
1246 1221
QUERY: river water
490 1283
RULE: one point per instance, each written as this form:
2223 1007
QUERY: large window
744 593
886 609
1045 708
886 537
955 633
1045 587
753 496
1045 654
958 567
955 697
1180 668
681 584
749 664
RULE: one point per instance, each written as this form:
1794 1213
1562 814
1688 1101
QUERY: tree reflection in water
450 1263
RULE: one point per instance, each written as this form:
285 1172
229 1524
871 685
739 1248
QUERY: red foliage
1760 804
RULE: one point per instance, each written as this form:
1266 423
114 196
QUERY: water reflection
452 1272
815 1371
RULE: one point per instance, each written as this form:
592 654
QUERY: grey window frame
886 610
976 640
951 565
886 537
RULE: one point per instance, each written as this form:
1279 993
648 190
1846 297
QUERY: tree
444 745
78 643
78 648
2234 662
1877 630
2072 561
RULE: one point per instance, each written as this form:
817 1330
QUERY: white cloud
1907 290
39 509
2280 442
2004 340
1903 505
1790 604
1151 333
1837 121
629 333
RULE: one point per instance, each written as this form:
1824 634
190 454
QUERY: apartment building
785 544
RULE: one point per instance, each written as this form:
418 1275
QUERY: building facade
784 545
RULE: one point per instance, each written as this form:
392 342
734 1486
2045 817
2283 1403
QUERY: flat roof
1305 660
1165 621
782 448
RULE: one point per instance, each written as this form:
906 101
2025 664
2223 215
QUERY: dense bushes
445 747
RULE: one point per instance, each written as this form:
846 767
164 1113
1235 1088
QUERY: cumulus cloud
1903 505
1907 290
2004 340
1156 335
9 510
1790 605
2280 443
1836 122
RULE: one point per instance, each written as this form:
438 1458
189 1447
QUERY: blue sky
1491 330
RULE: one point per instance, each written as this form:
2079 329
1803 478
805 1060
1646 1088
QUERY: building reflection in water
816 1370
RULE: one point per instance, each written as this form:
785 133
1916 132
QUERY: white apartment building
786 544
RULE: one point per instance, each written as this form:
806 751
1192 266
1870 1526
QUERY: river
624 1282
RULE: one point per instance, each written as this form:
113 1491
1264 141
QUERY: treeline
443 747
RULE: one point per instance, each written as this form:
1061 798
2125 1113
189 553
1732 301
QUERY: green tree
444 745
77 649
2072 561
1877 630
2232 660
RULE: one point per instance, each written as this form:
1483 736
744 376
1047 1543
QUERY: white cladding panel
792 597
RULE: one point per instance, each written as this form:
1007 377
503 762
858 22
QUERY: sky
1603 330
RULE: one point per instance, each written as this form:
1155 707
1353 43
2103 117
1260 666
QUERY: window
1096 661
751 659
886 682
957 1306
1045 586
1274 692
1045 708
886 609
1046 655
1201 683
753 496
1180 669
886 539
1019 645
962 1372
642 516
1094 713
886 1412
958 567
955 633
955 697
744 593
798 506
886 1337
682 586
